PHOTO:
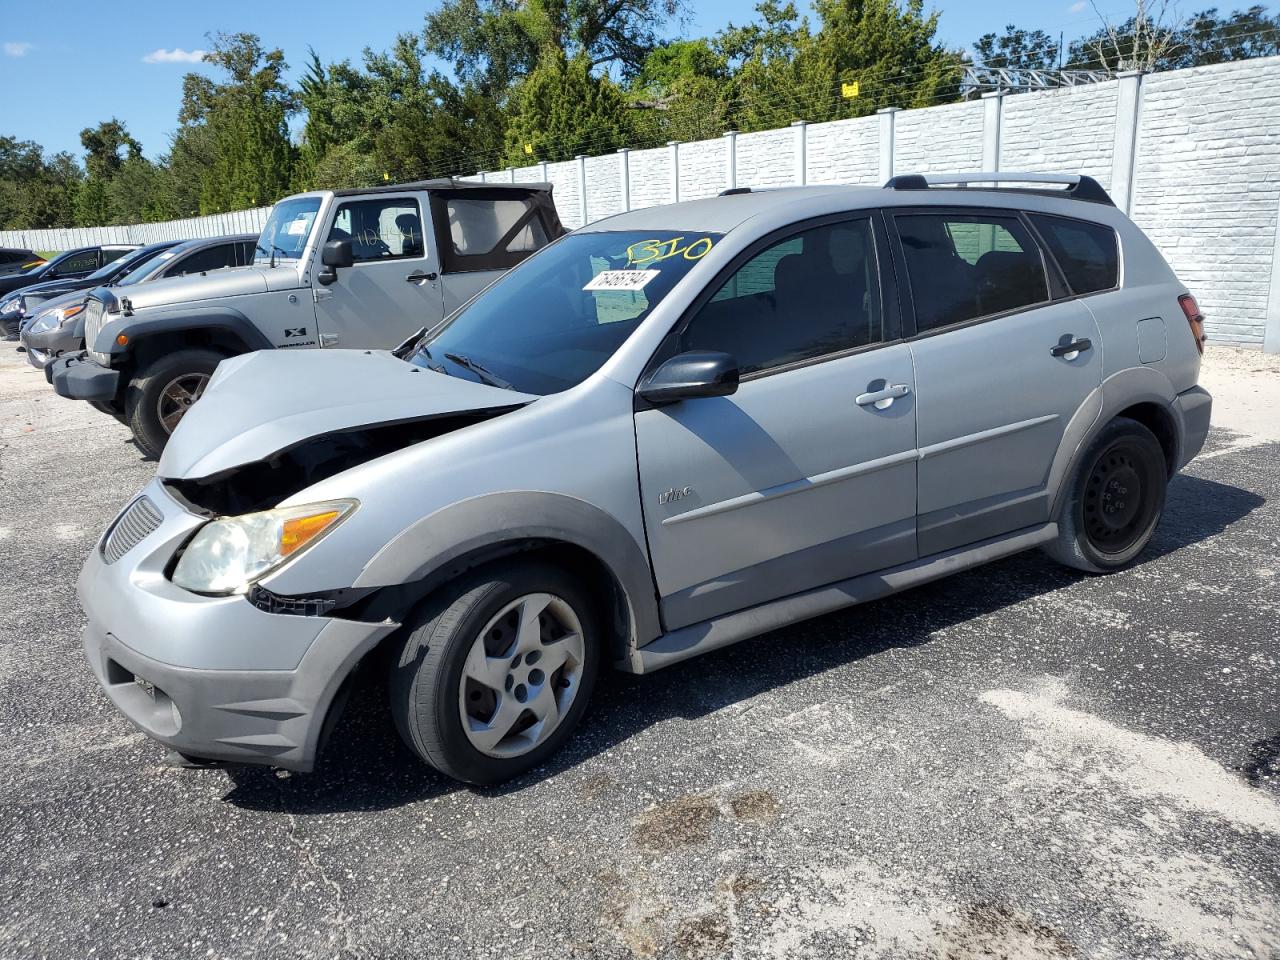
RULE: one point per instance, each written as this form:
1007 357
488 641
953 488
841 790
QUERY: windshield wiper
480 370
272 252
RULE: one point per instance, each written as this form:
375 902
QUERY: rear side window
962 267
1088 253
809 296
479 227
80 263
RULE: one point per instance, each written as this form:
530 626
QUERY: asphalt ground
1017 762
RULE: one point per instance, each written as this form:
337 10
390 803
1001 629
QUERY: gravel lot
1018 762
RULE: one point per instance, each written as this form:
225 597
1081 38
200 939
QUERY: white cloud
17 48
176 55
1078 7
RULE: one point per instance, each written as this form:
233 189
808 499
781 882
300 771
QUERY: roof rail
733 191
1075 186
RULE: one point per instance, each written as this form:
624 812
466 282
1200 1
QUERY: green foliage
562 109
1145 42
246 121
1018 49
36 192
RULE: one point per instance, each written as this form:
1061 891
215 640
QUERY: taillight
1195 319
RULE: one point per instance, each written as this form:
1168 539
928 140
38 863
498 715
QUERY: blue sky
77 62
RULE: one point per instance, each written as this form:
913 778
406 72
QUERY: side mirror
697 373
334 254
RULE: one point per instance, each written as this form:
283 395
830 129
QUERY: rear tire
160 393
1115 499
478 697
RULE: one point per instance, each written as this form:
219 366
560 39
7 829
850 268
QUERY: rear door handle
882 399
1069 351
415 277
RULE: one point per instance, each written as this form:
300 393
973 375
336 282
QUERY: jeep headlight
228 554
47 320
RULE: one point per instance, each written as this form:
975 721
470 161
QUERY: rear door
1003 363
483 232
393 288
806 475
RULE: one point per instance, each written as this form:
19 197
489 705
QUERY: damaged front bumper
211 677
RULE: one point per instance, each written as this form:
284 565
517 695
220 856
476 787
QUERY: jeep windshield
552 321
285 235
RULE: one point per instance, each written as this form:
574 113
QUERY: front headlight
12 305
226 555
47 320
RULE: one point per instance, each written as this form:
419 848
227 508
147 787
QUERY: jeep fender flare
1121 390
142 326
433 543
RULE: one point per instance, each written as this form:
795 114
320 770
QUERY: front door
1003 363
393 288
806 475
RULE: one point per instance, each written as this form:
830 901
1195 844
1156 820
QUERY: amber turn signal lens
122 339
296 534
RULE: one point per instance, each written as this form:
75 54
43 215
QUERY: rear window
1088 253
491 229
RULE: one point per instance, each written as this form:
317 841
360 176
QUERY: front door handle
1069 351
882 399
419 275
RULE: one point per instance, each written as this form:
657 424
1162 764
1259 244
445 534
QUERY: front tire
160 394
1115 499
497 671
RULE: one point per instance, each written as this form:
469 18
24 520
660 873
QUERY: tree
246 121
1142 42
1207 38
1017 49
35 192
108 148
561 109
493 44
681 92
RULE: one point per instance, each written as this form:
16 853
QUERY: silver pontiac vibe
666 432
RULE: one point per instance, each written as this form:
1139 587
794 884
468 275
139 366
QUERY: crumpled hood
260 403
235 282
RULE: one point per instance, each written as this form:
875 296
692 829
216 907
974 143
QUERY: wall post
992 114
730 159
581 160
801 128
1125 154
673 150
624 177
886 141
542 166
1271 329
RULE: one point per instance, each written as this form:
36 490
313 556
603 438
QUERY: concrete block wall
1192 155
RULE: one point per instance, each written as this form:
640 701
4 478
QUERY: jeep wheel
1115 500
496 672
161 393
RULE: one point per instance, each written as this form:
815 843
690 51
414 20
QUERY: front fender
178 319
432 543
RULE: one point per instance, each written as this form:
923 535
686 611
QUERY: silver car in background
57 326
671 430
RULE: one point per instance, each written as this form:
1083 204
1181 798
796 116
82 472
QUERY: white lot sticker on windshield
620 280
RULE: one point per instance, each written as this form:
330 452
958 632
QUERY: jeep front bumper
212 677
79 378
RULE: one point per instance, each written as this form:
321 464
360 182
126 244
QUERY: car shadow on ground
366 767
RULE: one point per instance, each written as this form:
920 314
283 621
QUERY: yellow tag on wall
849 90
528 148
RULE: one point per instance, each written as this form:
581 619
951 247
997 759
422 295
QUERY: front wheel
162 392
497 672
1115 500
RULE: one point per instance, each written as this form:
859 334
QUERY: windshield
285 235
552 321
139 271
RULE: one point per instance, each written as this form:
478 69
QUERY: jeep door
806 475
393 287
1003 363
482 232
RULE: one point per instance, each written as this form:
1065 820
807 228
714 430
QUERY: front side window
217 257
382 229
550 323
78 264
1087 252
287 228
962 267
109 254
813 294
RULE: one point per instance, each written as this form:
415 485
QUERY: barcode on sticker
621 279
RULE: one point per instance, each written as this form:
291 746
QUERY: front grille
93 314
139 519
